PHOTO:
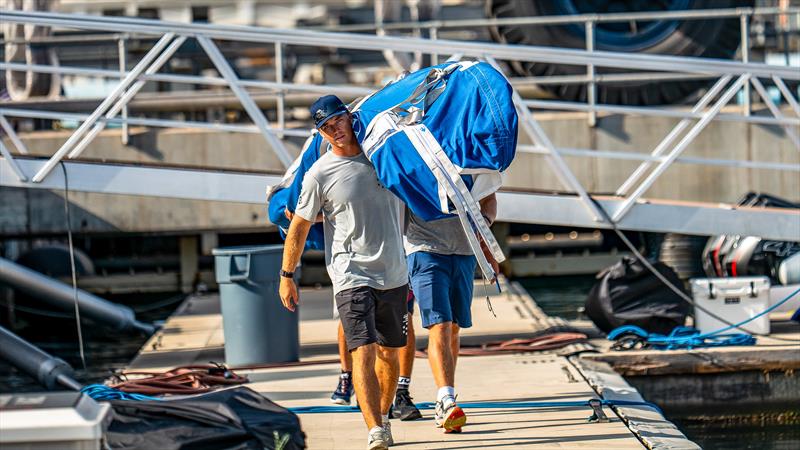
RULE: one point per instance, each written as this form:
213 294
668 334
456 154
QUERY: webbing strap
427 92
491 405
467 208
461 192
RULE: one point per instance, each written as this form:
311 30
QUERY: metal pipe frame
192 79
123 53
591 92
283 87
381 43
13 164
679 148
125 98
744 35
608 78
775 111
657 112
158 123
247 102
720 13
532 128
640 156
127 81
252 129
684 66
523 207
673 134
12 135
787 95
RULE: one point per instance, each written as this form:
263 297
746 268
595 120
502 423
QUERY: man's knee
365 353
387 353
442 328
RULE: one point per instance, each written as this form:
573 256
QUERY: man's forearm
489 207
295 242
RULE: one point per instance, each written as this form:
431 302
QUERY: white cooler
733 299
52 421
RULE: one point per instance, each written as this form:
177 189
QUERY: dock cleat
343 392
403 407
449 415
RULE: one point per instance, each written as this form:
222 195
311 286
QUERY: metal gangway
627 208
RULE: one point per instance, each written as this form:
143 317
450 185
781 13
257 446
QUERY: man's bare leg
387 367
455 347
408 352
345 358
404 407
366 384
344 389
442 344
440 353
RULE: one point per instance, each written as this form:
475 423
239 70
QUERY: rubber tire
701 38
683 254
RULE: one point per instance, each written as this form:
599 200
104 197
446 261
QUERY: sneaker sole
339 401
379 445
455 421
414 415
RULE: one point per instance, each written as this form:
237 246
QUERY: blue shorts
442 285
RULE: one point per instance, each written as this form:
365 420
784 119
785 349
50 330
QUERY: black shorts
373 315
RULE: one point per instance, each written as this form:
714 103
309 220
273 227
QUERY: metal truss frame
523 207
172 35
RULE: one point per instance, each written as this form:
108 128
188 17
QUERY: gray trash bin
258 329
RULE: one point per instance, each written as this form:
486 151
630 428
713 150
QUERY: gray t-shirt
443 236
363 236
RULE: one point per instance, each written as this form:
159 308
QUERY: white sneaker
449 415
388 427
378 439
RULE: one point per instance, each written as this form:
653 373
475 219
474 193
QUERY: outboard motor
737 256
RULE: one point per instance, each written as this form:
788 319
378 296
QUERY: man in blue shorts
441 266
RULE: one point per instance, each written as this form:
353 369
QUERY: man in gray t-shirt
365 259
363 240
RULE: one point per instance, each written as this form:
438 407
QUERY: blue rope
689 338
101 393
481 405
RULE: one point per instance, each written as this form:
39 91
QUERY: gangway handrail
380 43
692 14
744 73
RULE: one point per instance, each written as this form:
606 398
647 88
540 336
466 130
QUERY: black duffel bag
236 419
628 293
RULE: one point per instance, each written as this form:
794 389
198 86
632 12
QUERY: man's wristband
286 274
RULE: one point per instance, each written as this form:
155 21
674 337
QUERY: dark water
559 296
563 296
712 434
105 350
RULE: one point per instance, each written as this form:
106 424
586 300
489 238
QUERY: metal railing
731 76
589 22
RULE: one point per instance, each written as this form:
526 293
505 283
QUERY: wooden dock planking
194 335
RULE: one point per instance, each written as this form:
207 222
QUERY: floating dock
194 335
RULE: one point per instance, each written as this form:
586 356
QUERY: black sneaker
343 392
403 407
